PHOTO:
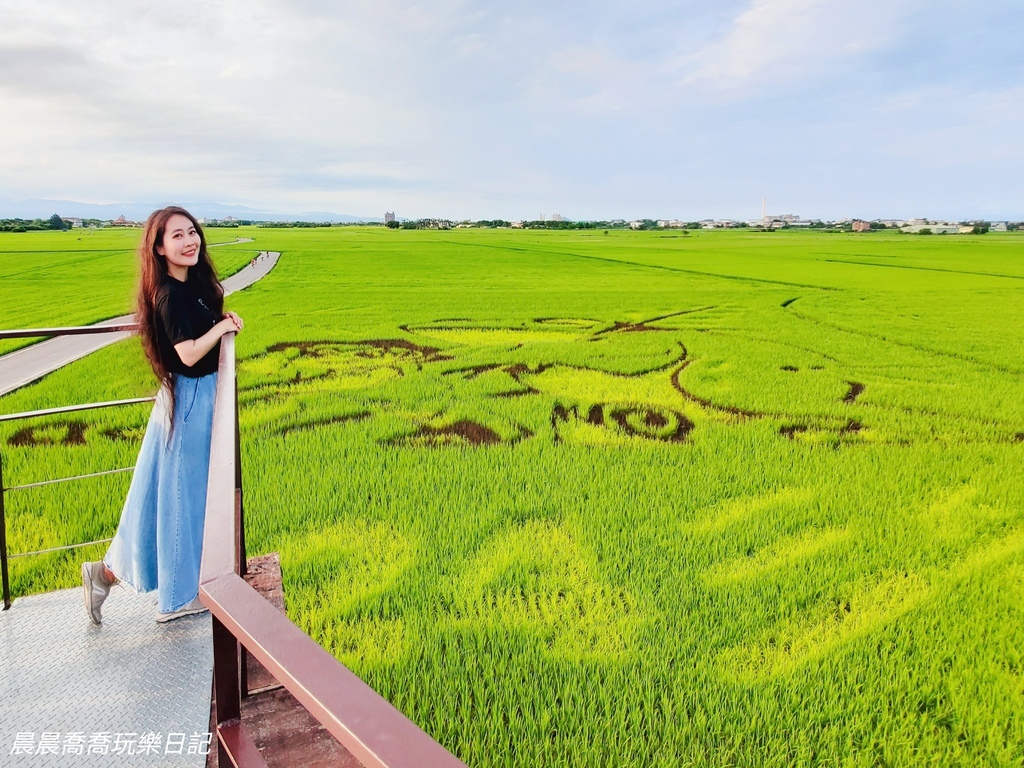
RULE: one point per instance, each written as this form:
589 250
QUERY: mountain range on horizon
41 208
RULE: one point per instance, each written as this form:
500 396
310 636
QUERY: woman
159 540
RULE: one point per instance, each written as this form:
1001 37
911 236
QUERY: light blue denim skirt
159 541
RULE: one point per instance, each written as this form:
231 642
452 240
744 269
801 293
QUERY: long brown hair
202 278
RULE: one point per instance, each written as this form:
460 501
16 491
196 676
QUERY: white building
936 229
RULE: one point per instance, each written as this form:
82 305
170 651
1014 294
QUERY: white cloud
774 42
195 90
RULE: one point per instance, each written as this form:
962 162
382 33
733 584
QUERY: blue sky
687 110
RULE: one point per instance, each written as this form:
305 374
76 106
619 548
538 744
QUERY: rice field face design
568 498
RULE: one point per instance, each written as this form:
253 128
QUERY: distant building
778 220
389 217
557 217
861 226
997 226
937 228
121 221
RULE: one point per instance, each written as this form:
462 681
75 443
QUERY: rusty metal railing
5 556
366 724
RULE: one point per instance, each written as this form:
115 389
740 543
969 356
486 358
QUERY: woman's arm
191 351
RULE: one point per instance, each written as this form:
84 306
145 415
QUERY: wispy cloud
779 43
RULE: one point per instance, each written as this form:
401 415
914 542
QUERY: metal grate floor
129 693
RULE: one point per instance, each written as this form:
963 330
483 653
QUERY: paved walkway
128 693
23 366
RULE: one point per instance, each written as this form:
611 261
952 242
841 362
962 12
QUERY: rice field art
636 499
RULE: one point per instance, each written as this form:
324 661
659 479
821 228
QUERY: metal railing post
241 559
3 542
226 691
243 563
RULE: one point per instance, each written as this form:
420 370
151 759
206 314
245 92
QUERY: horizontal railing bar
362 720
80 330
66 479
240 747
74 408
60 549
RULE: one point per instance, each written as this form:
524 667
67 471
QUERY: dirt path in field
28 364
627 327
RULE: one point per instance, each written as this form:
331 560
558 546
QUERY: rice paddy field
587 499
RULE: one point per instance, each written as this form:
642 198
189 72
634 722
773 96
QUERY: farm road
23 366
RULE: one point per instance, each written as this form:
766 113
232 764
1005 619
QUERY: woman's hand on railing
235 319
192 351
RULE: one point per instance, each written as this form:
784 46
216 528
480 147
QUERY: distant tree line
295 224
54 223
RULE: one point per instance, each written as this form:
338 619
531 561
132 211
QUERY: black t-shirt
183 315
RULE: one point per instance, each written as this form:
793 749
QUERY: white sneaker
186 610
96 588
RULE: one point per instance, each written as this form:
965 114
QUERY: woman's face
180 245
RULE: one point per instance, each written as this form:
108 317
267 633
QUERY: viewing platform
241 685
129 692
133 692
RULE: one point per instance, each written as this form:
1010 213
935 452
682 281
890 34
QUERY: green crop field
79 276
587 499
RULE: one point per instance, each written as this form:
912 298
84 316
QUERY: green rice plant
738 498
